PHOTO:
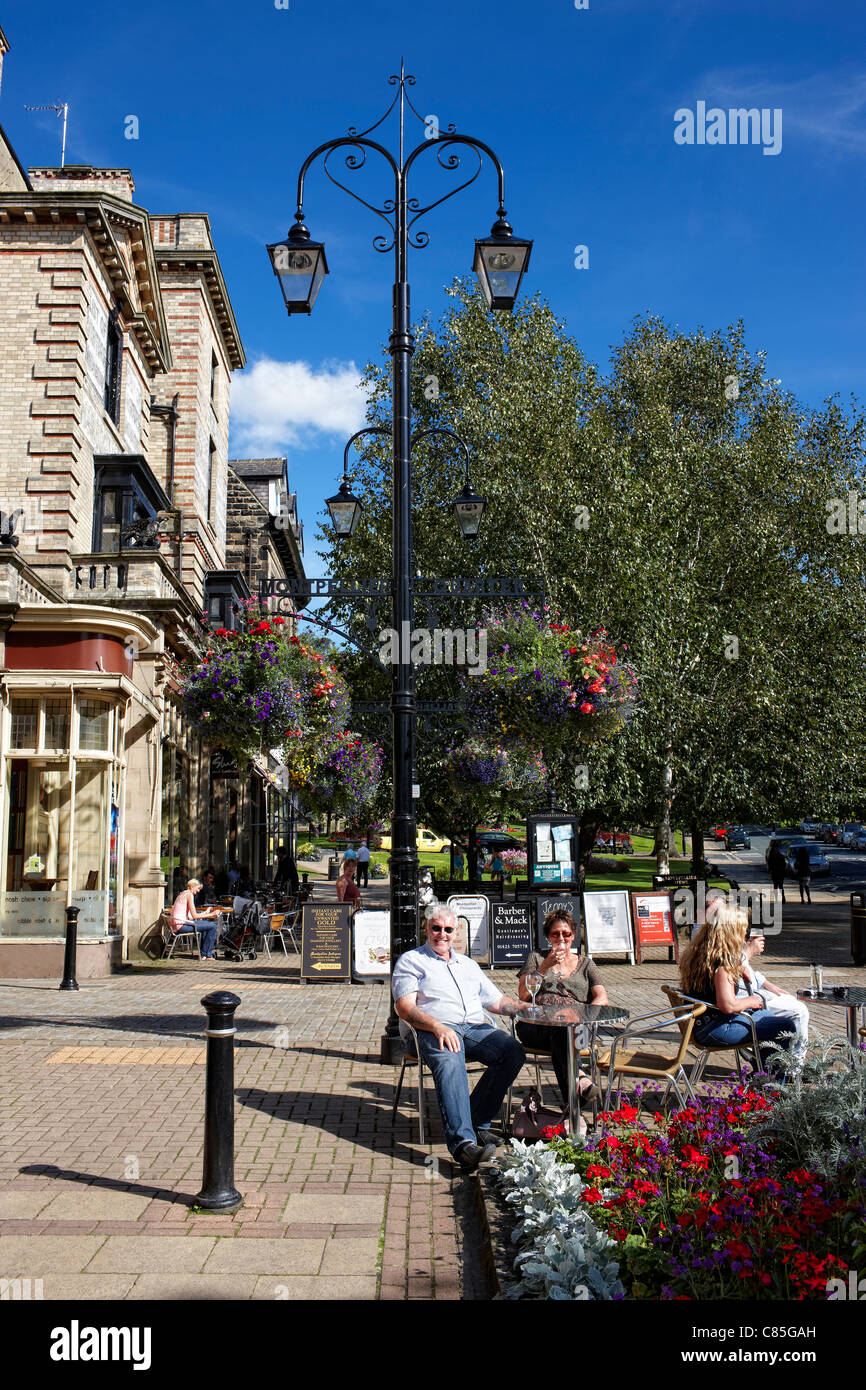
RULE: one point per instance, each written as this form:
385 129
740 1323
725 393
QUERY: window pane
93 725
56 723
25 722
91 824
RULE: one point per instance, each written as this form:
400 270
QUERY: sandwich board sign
607 924
325 941
511 933
371 945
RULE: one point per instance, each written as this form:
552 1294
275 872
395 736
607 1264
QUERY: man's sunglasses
449 931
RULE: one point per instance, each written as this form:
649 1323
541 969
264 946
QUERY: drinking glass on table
534 981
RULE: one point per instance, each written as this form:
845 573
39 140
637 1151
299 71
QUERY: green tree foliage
682 501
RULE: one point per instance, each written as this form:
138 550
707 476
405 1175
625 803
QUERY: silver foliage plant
818 1120
565 1255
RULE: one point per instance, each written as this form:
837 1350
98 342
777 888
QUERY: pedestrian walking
363 864
804 873
778 868
459 862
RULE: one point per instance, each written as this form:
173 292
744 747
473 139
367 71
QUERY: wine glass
534 981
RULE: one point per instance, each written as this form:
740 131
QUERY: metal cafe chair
412 1058
171 940
677 998
638 1062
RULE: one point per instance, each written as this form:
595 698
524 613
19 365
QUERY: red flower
591 1194
586 707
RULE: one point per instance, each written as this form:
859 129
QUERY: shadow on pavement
49 1170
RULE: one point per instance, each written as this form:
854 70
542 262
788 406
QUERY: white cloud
278 404
828 106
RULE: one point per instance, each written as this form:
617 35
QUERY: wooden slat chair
273 928
187 940
412 1058
677 998
640 1062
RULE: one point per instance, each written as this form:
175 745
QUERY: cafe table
574 1014
849 997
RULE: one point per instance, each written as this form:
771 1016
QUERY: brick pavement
101 1133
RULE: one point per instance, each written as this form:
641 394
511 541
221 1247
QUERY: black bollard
218 1191
71 949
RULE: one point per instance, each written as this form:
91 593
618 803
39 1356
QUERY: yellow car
426 840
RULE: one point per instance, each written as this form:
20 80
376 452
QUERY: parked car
859 841
491 840
828 832
719 832
785 842
737 838
819 864
426 840
850 829
811 827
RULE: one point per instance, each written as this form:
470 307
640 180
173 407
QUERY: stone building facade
116 494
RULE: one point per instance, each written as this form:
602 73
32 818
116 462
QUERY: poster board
551 848
475 908
511 934
607 924
562 902
654 923
371 945
326 933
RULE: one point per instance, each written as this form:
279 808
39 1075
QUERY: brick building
122 522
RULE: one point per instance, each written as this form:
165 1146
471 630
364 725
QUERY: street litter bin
333 869
858 928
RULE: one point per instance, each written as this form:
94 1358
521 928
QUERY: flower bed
708 1203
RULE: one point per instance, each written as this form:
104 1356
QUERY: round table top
562 1013
853 998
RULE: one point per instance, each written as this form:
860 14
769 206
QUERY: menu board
475 908
654 922
325 938
608 928
510 933
562 903
371 940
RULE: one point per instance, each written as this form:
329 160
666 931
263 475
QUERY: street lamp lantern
345 511
500 262
468 509
300 266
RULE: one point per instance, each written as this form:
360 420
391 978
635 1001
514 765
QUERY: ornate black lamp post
300 266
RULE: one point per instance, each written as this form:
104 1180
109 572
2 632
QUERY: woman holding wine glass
560 976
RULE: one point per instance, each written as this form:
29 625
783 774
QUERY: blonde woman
711 969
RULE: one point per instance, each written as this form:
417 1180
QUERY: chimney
83 178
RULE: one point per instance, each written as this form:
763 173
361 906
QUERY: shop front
65 736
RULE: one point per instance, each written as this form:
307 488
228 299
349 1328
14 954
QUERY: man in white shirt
753 982
443 995
363 863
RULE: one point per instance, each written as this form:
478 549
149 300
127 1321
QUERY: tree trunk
662 847
698 850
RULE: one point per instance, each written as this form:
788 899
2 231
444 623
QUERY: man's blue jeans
463 1115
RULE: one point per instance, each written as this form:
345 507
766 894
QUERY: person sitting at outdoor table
776 1000
185 917
565 977
710 968
443 995
206 895
347 889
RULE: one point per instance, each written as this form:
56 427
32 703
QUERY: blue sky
579 105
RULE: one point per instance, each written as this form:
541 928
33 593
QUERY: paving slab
147 1254
303 1289
18 1205
191 1288
97 1204
266 1256
349 1256
361 1210
88 1287
39 1256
